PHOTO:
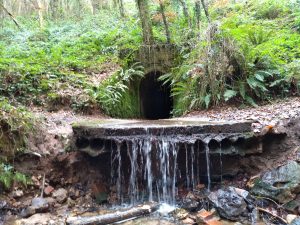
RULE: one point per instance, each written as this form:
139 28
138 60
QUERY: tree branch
11 16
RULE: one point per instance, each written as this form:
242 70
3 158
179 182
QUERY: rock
38 205
241 192
48 190
74 193
27 212
290 218
60 195
17 193
208 217
228 203
296 221
3 204
214 222
188 221
190 204
35 181
40 219
203 216
71 203
51 201
281 184
180 214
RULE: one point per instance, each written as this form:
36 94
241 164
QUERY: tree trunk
186 12
162 11
198 13
145 20
90 7
114 217
40 13
10 15
1 13
54 9
205 10
96 6
121 8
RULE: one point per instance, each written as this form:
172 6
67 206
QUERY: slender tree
121 8
54 9
205 10
1 12
40 8
186 12
10 15
197 13
144 14
162 11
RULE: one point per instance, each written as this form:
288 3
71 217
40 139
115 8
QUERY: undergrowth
16 123
248 54
8 177
117 95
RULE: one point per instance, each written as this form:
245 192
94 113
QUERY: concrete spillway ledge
99 136
115 127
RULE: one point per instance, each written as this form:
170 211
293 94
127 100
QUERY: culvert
150 160
155 97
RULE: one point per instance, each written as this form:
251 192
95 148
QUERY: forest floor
274 113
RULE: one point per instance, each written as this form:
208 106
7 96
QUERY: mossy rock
281 184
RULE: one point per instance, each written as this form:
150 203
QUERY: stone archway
155 98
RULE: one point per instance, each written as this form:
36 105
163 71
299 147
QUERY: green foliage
269 9
246 58
114 93
8 176
15 125
249 53
34 64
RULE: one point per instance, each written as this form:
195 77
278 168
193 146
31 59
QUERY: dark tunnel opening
156 100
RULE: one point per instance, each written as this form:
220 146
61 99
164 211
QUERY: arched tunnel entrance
156 100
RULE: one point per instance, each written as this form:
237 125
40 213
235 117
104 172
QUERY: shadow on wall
156 100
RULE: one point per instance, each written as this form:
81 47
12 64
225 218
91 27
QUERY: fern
8 177
114 89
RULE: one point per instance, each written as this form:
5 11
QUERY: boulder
189 204
60 195
38 205
229 204
281 184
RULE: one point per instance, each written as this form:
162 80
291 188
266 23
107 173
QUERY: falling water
133 187
192 167
116 175
221 166
145 168
187 176
148 168
207 166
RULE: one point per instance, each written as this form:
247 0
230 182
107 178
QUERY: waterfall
145 168
207 166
